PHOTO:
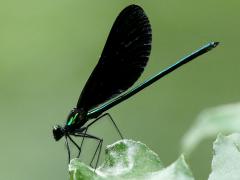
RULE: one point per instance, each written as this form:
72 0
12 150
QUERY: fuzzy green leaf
128 159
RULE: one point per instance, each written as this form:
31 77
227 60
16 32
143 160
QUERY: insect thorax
76 118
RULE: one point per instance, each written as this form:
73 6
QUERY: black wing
123 58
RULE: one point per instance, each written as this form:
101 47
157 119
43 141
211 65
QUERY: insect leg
81 133
79 148
98 149
68 149
115 125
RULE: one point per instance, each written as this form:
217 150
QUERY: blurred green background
49 48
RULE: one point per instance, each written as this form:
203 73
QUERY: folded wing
123 59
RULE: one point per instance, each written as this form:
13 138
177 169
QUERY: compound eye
57 132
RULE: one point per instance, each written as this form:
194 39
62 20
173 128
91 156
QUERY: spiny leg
98 149
80 131
68 149
79 148
115 125
83 133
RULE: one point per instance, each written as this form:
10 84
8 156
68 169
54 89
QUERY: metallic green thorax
71 121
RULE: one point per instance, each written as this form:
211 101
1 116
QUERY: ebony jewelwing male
123 59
